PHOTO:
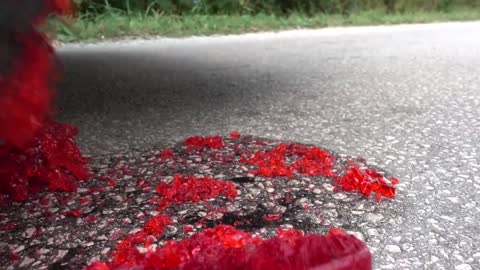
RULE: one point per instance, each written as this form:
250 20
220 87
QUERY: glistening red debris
199 142
305 160
367 181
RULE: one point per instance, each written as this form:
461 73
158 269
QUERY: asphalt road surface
406 98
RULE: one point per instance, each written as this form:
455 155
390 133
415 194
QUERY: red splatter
166 154
187 229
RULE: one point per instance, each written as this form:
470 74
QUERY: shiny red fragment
235 135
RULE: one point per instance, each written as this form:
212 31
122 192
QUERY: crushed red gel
367 181
225 247
199 142
193 189
309 160
51 160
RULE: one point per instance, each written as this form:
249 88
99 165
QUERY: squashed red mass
235 135
225 247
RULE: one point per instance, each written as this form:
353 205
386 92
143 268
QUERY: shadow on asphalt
118 83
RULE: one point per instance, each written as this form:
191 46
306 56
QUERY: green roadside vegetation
120 21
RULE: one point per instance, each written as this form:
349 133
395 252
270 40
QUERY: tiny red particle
235 135
272 217
13 256
73 213
394 180
9 227
85 200
156 225
38 232
166 154
187 228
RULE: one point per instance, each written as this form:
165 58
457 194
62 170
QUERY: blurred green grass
113 26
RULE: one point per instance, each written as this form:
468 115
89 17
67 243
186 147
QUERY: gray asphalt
406 98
